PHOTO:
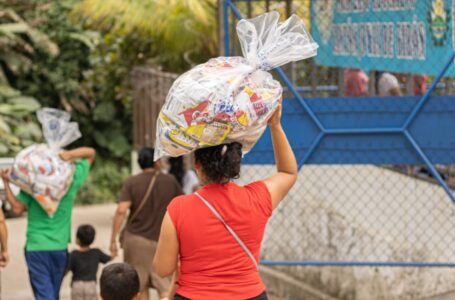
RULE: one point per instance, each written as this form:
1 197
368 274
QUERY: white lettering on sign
411 40
370 39
388 39
345 39
402 40
384 5
349 6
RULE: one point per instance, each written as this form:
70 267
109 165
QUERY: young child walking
83 263
119 282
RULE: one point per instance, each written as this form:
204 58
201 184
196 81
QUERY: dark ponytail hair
145 158
177 169
218 166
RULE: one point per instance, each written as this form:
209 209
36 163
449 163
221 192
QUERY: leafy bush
19 43
172 34
17 129
56 61
104 183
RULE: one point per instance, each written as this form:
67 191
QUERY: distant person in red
216 233
355 83
420 84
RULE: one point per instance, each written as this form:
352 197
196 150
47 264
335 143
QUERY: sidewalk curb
286 287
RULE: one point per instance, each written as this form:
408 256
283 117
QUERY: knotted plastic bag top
268 44
58 131
230 99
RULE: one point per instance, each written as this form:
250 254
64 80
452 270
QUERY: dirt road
14 278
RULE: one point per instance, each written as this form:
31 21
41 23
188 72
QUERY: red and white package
230 99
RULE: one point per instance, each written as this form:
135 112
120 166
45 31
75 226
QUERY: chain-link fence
355 214
360 31
359 214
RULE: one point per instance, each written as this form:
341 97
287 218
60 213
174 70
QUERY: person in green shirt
48 238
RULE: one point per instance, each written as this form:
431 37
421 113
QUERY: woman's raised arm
280 183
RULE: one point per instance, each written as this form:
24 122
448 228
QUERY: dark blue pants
46 270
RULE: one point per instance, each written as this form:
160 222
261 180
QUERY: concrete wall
363 213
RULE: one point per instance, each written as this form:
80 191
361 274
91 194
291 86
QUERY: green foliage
55 80
105 84
103 184
174 34
16 129
19 43
77 55
62 66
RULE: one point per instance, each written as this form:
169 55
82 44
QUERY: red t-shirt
212 263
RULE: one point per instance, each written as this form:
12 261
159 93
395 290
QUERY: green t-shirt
44 232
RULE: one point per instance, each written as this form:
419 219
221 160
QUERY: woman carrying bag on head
216 233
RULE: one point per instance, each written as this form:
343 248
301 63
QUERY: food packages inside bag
230 99
38 169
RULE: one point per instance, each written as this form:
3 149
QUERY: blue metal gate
380 131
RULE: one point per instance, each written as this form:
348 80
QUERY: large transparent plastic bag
230 99
38 169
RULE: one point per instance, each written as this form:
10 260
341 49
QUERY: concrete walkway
14 279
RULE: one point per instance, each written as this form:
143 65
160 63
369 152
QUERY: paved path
15 285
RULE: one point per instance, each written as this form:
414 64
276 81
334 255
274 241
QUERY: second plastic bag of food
38 169
230 99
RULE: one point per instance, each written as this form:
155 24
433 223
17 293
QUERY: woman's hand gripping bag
38 169
230 99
